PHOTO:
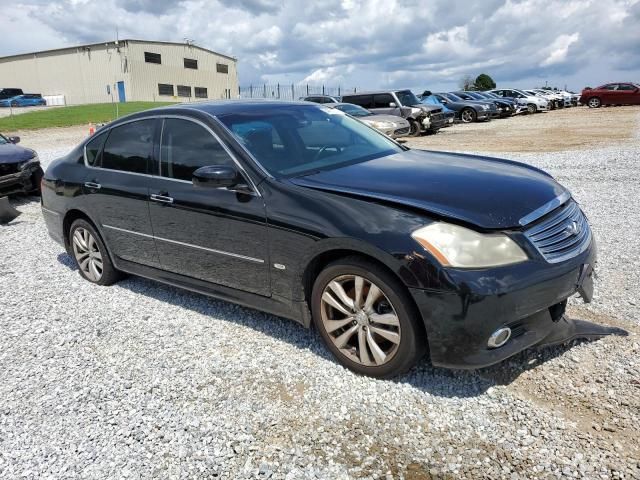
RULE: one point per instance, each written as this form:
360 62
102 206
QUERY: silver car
391 125
533 103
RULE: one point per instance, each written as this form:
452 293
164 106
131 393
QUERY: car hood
486 192
384 118
11 153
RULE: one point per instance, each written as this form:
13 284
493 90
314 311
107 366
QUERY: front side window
93 149
311 138
187 146
129 147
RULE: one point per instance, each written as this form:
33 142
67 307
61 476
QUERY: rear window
93 149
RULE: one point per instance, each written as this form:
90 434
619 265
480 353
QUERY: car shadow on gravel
439 382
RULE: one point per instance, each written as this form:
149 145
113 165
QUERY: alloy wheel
87 254
467 116
360 320
594 102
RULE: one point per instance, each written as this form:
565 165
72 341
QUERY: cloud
363 43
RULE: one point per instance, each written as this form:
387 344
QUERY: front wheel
414 129
531 108
367 319
594 102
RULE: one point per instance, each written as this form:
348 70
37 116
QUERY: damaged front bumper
25 180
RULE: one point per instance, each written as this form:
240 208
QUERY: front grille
402 131
8 168
562 234
437 116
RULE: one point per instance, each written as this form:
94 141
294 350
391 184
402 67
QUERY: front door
216 235
117 189
121 95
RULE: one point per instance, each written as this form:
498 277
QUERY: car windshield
452 96
475 96
407 98
290 141
354 110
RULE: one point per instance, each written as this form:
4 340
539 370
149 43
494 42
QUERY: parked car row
429 112
15 97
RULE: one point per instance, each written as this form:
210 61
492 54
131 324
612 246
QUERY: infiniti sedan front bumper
528 299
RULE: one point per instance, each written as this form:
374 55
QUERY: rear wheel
14 104
90 254
366 318
594 102
468 115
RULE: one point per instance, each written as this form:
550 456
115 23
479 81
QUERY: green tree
484 82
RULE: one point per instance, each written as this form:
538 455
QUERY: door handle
92 185
161 198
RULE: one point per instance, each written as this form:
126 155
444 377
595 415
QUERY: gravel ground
141 380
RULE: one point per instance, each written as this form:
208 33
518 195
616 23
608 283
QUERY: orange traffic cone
92 129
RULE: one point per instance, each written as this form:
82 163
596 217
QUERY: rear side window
93 149
187 146
365 101
129 147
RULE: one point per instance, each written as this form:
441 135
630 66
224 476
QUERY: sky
422 44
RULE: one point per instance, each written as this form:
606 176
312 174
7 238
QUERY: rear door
628 94
117 189
214 234
382 104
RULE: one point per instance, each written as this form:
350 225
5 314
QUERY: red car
611 94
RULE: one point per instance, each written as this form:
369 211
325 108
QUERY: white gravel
141 380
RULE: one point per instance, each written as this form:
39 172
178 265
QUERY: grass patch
74 115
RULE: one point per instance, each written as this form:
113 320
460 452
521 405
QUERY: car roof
376 92
221 107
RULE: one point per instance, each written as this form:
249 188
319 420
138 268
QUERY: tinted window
165 89
190 63
184 91
626 86
129 147
152 57
382 101
93 149
222 68
200 92
312 138
187 146
365 101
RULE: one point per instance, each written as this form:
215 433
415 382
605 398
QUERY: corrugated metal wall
82 74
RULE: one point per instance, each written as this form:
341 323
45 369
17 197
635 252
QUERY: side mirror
392 105
14 139
217 176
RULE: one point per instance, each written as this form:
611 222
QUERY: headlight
29 162
484 107
459 247
381 125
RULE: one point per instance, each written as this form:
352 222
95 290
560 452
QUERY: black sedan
504 108
307 213
466 111
20 170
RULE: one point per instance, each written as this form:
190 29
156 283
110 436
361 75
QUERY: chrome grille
562 234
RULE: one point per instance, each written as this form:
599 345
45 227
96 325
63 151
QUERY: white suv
533 103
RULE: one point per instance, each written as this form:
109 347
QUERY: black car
307 213
466 111
10 93
504 108
20 169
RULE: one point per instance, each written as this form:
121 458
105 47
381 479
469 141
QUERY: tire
383 358
531 108
594 102
14 104
414 129
468 115
36 178
84 240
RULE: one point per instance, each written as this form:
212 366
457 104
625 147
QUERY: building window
190 63
222 68
200 92
152 57
164 89
184 91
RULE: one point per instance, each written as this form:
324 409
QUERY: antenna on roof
188 41
117 37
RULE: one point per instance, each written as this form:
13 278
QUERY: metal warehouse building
124 70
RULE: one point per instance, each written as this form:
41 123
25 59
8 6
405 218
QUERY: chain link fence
281 91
